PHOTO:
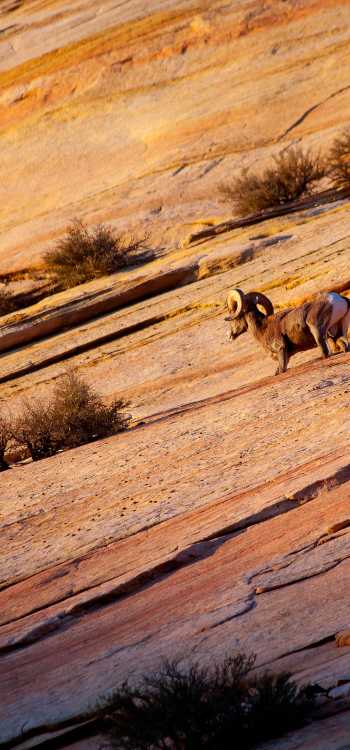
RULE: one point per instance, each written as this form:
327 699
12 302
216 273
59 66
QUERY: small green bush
294 174
83 254
338 160
74 416
202 709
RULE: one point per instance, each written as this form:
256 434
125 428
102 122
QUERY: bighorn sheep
287 332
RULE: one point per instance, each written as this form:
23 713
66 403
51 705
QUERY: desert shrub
5 437
293 174
34 429
338 159
75 415
6 302
83 254
202 709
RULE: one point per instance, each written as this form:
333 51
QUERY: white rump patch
339 307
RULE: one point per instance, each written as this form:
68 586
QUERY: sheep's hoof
342 344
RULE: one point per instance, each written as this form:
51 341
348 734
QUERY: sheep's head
238 304
236 327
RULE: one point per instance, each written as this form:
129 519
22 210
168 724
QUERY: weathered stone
330 734
318 560
300 280
320 700
343 691
332 708
343 639
74 306
200 531
97 742
129 70
65 735
329 537
338 526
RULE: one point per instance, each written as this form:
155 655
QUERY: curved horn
235 302
260 299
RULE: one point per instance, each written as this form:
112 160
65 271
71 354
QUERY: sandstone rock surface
330 734
132 114
219 521
103 548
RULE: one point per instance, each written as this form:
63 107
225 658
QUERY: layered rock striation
219 521
134 115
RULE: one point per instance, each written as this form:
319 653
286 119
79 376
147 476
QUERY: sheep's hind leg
337 337
282 361
321 340
332 341
342 341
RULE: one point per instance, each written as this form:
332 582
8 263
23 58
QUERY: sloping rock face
217 522
220 520
133 114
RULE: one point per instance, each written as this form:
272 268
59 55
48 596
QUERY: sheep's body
287 332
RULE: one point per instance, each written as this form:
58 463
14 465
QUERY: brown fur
289 331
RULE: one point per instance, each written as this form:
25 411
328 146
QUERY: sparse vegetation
293 174
202 709
338 160
74 416
83 254
5 437
6 302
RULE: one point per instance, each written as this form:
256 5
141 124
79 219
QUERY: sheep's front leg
282 360
320 337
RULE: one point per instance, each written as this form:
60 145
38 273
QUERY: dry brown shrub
33 429
338 159
85 254
5 437
74 416
293 174
6 302
198 708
